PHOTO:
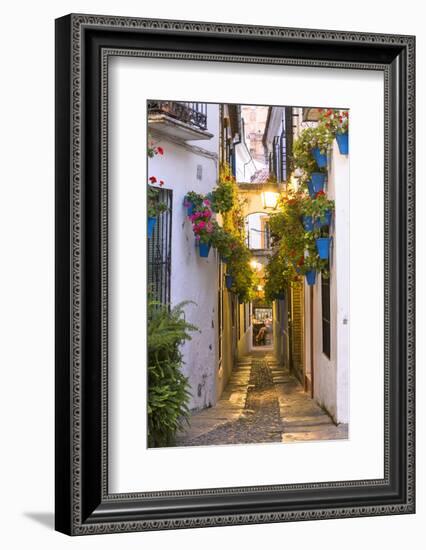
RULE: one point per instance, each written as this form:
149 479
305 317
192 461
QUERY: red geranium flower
161 183
160 150
320 194
153 179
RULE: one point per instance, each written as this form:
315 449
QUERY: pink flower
206 202
202 225
209 227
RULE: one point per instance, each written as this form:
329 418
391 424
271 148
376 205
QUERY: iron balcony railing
258 239
194 114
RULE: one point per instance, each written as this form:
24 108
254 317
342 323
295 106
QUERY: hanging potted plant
203 227
319 209
338 123
155 207
229 281
192 201
322 242
302 154
321 140
308 267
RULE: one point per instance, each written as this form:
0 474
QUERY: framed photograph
234 274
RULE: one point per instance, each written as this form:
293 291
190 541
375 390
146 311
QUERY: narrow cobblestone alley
262 403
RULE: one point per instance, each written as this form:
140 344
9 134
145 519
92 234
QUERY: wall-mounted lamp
270 199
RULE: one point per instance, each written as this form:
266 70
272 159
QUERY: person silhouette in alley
265 332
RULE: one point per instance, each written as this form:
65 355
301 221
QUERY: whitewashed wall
331 376
193 278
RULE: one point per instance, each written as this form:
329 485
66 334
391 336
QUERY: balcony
182 121
258 240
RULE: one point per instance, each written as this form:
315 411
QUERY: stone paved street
262 403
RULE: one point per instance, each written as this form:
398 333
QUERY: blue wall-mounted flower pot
311 277
343 143
204 250
325 221
311 189
318 182
151 225
229 281
308 223
320 158
323 247
190 210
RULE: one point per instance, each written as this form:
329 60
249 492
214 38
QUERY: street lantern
270 199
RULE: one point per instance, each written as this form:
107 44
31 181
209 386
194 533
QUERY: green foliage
168 388
296 252
318 206
319 136
279 273
228 239
336 121
241 271
223 196
224 242
302 155
286 228
196 199
155 205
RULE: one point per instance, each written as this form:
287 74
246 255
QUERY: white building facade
311 326
189 163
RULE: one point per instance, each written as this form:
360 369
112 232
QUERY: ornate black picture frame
83 45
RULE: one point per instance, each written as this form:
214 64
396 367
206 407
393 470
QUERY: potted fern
168 388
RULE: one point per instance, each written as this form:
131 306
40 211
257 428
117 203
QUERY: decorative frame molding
84 43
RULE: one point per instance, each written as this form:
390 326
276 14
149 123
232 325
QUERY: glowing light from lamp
270 199
256 265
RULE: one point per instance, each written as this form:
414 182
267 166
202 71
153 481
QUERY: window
325 303
159 252
275 156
